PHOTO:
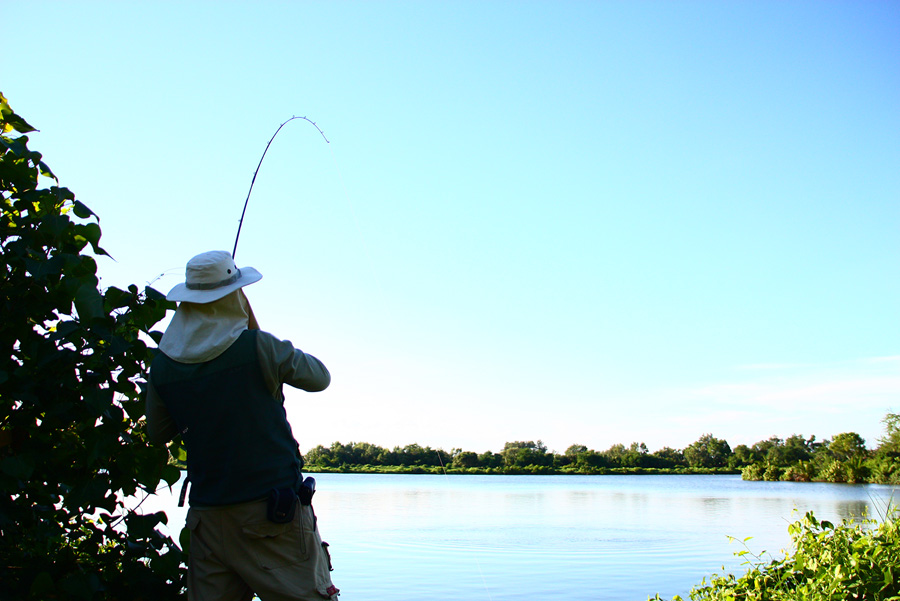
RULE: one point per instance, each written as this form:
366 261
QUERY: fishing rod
241 222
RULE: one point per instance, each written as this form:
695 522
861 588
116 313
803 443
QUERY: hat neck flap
201 332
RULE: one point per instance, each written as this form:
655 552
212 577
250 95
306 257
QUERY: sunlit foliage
851 560
71 370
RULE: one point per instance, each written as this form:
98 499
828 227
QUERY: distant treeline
844 458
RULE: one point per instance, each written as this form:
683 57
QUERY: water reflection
404 537
715 507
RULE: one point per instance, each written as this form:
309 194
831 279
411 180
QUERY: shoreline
526 471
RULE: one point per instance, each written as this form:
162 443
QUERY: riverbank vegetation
521 457
856 559
843 458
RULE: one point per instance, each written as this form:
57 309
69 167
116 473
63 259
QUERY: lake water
493 538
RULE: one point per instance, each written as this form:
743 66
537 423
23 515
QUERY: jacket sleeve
281 363
161 427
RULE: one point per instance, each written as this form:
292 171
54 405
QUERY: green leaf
65 328
98 400
116 298
81 210
45 170
53 266
142 526
134 409
90 232
184 539
76 585
17 467
17 146
15 122
42 585
88 303
171 474
154 294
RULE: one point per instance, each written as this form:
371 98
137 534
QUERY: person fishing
217 380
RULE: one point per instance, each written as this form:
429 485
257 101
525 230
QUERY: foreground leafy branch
851 560
71 368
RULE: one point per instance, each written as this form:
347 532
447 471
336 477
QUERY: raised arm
281 363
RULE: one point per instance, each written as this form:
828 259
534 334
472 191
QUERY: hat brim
181 293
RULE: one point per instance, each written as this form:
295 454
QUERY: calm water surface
617 538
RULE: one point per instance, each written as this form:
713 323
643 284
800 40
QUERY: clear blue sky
581 222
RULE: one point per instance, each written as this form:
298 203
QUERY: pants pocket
321 562
276 545
199 548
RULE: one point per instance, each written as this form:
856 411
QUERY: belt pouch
307 490
282 504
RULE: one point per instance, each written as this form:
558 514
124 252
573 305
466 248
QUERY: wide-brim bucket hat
210 276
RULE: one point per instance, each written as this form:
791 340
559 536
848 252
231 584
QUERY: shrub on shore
856 559
72 442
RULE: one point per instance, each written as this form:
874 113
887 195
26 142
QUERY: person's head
211 276
212 311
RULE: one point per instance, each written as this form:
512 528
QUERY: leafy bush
71 443
753 471
835 471
772 473
852 560
885 468
802 471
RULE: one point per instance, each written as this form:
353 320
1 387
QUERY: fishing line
474 554
163 274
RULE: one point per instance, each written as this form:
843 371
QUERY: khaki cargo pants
236 551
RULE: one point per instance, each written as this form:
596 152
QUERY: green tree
489 459
523 454
465 459
414 454
636 455
847 446
790 451
885 465
591 460
669 457
320 456
741 456
707 451
575 449
760 450
891 441
614 454
365 453
71 439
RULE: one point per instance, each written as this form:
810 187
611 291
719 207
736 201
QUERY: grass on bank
856 559
541 470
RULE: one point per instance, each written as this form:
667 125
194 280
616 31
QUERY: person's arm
281 363
161 427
